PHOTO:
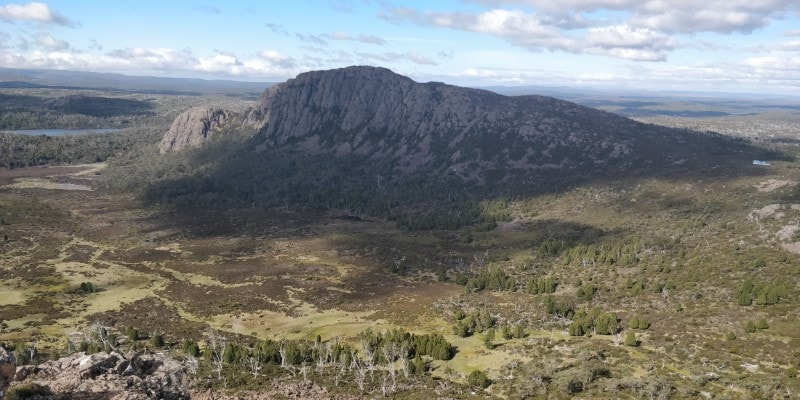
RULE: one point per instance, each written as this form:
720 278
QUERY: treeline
71 112
760 294
18 151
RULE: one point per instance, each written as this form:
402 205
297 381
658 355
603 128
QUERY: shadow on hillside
231 175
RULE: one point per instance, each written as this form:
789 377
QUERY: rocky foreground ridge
132 376
101 376
375 115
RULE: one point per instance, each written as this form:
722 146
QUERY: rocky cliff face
381 116
199 124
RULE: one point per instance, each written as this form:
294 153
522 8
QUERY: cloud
156 60
276 28
205 8
639 30
792 45
277 59
37 12
393 57
479 73
531 32
4 40
630 43
313 39
369 39
95 45
683 16
49 42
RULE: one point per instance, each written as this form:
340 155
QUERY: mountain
385 118
351 137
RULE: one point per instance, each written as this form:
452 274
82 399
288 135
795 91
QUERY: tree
191 348
132 333
216 345
488 338
157 341
630 340
478 379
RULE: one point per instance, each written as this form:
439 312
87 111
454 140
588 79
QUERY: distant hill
39 78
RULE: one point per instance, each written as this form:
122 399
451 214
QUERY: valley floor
675 252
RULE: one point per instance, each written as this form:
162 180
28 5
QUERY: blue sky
710 45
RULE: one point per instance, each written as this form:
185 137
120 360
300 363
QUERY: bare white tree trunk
217 344
255 365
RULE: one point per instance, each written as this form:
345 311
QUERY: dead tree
216 345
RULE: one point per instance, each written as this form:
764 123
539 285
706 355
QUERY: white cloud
156 60
479 73
369 39
640 30
393 57
686 16
48 41
277 59
792 45
420 59
621 41
37 12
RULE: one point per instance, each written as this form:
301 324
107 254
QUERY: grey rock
112 376
93 365
194 127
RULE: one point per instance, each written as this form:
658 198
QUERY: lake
60 132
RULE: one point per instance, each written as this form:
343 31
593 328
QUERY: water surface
60 132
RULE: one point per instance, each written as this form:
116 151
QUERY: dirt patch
8 176
773 184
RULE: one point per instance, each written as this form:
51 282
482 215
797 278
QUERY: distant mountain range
33 78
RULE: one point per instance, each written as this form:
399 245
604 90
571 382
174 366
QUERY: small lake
60 132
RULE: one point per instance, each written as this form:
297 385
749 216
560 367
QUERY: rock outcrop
199 124
108 376
8 367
